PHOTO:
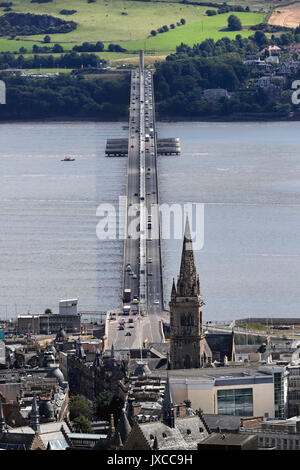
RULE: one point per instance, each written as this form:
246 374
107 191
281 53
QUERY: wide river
246 175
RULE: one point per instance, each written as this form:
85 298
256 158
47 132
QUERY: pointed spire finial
168 406
188 284
173 292
187 231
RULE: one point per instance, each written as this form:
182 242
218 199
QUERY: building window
278 395
237 402
273 443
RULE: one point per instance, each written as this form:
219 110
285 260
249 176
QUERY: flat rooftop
234 372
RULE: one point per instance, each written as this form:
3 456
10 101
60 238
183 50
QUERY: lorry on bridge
127 295
126 309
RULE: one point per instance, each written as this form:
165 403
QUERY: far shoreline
232 118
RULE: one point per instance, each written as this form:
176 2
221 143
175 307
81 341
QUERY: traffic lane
129 337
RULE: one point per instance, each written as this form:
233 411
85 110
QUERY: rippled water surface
247 175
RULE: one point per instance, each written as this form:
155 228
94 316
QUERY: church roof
227 423
16 441
185 435
123 427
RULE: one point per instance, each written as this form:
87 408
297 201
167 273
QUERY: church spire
188 282
35 416
168 406
173 292
123 427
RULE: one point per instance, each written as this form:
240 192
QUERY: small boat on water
68 159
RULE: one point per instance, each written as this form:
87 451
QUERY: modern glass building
237 402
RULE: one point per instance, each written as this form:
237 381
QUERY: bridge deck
142 247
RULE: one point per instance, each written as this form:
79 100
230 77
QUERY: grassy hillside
197 31
104 21
128 23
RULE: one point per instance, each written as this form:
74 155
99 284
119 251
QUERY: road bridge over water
142 268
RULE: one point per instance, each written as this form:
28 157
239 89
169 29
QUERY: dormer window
188 431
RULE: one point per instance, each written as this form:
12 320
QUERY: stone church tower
187 338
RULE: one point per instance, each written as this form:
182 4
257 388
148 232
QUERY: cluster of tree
88 47
56 48
108 404
41 1
210 48
65 96
70 60
6 6
234 23
288 36
84 47
116 48
225 9
211 12
219 6
80 414
209 4
240 45
12 24
67 12
269 28
180 82
285 39
165 28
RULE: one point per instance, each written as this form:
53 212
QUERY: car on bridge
128 333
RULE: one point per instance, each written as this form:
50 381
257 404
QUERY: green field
103 21
197 31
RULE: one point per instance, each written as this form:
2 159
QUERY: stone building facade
187 347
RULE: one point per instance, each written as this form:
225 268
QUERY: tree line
70 60
27 24
65 96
